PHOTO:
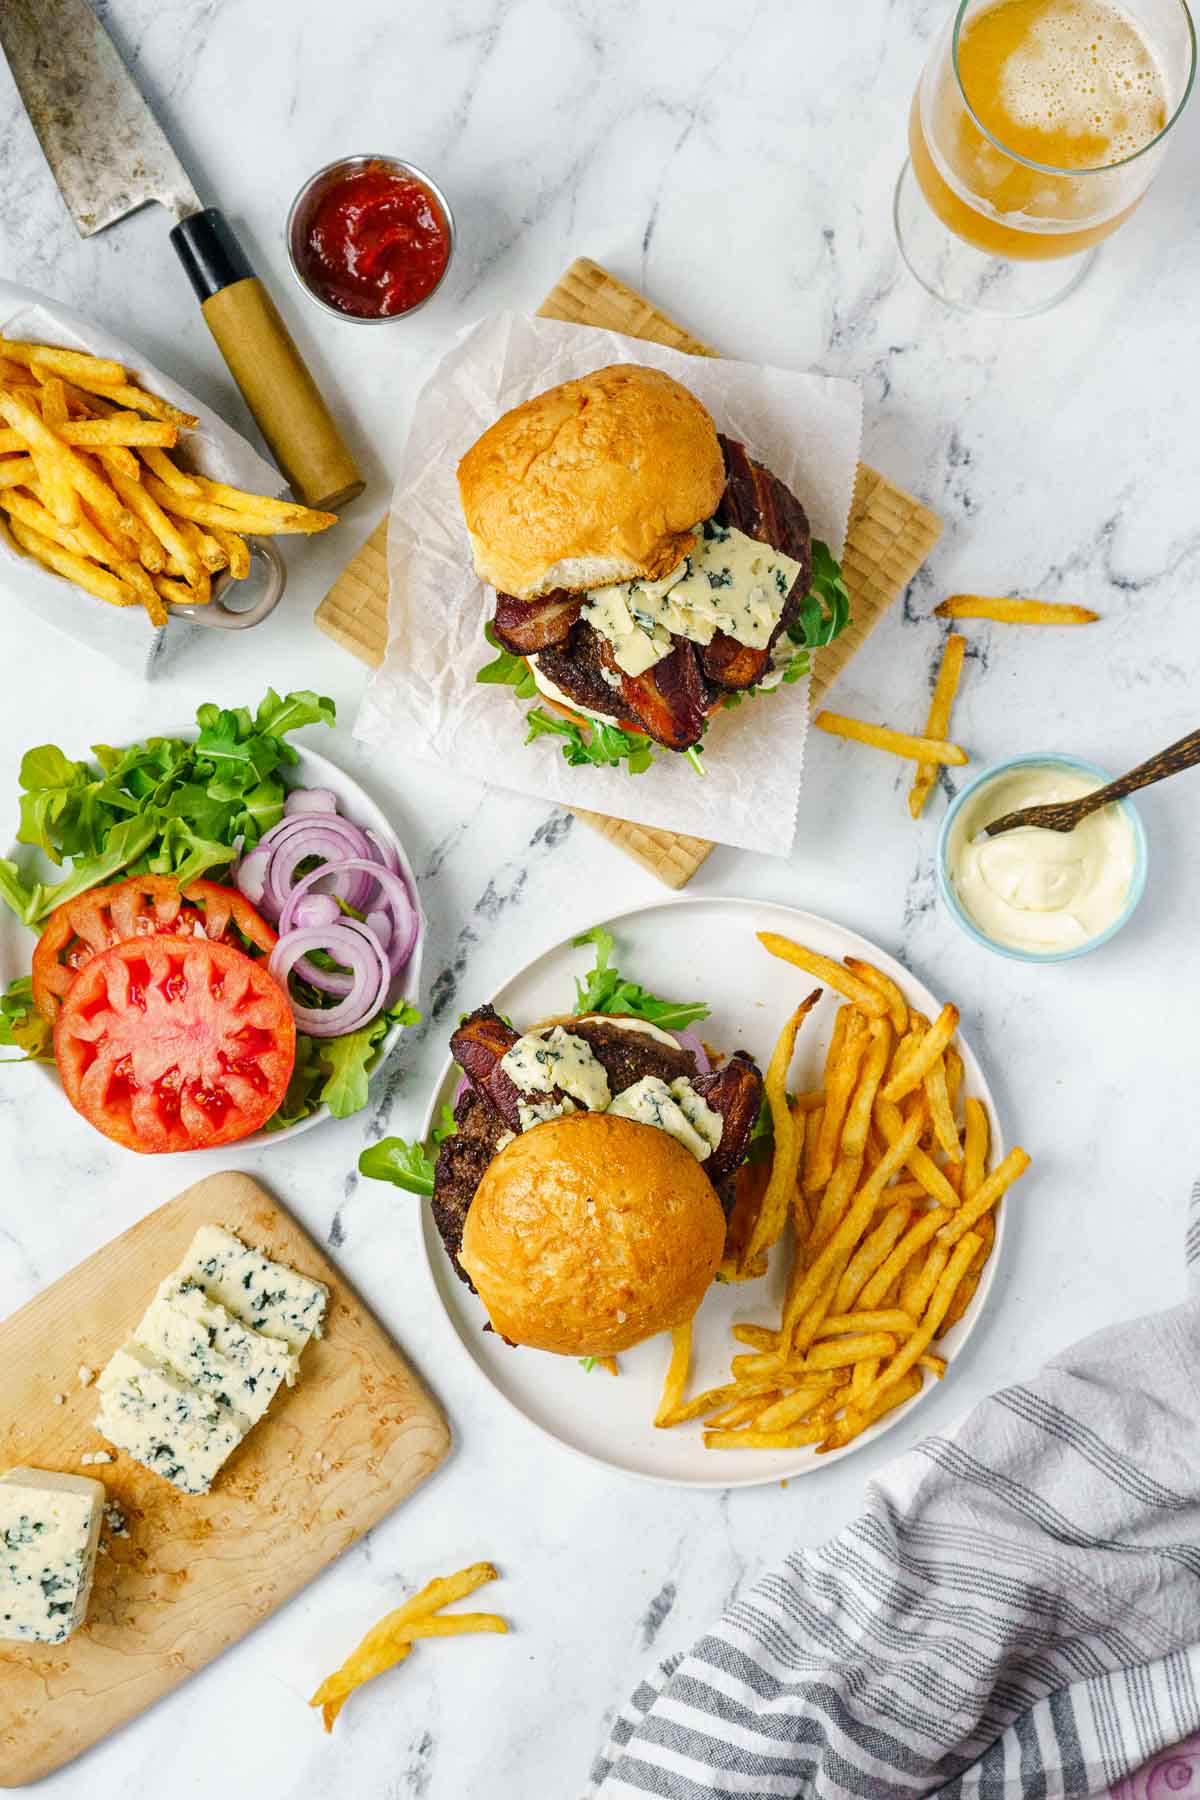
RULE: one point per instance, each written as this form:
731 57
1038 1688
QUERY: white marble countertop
738 165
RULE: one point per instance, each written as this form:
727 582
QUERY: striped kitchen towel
1016 1613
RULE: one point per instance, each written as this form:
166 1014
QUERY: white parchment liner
425 701
214 449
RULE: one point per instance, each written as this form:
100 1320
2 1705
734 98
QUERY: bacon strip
669 700
526 626
478 1047
734 1090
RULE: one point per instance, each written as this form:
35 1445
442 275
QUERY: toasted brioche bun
602 479
589 1233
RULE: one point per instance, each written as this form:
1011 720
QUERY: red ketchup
374 242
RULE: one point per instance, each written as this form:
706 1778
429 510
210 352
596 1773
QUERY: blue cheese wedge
265 1295
163 1422
729 582
542 1060
49 1533
202 1341
676 1109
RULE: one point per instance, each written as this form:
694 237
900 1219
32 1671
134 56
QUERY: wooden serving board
888 538
333 1454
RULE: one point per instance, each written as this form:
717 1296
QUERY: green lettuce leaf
22 1025
405 1165
605 990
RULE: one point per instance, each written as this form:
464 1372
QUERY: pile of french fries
89 490
389 1642
891 1207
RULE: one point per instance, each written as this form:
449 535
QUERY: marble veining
737 164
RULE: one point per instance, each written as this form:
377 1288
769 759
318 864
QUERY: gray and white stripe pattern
1016 1613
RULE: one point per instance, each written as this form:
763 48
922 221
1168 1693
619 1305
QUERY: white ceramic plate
312 770
703 949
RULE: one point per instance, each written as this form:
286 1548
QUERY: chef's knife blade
109 157
105 148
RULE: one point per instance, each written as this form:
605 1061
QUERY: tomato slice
142 906
174 1043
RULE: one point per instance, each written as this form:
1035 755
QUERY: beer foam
1082 68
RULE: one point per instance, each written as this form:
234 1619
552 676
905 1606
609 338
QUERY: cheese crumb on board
86 1375
60 1399
49 1534
95 1456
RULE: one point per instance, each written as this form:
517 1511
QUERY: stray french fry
390 1641
986 1196
1014 612
898 743
823 968
677 1374
937 725
912 1073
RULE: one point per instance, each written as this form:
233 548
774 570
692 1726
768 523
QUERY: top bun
589 1233
602 479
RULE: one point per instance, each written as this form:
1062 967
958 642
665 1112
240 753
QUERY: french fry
985 1231
912 1073
759 1337
812 1138
937 1093
742 1387
919 1233
135 399
975 1146
31 512
897 1005
390 1641
841 1077
890 1319
862 1106
165 531
898 743
17 471
924 1170
911 1350
143 586
824 969
677 1374
916 1297
100 582
1014 612
937 725
935 1364
170 474
986 1195
870 1256
287 512
236 550
839 1191
774 1211
208 513
71 363
789 1409
120 428
749 1439
58 495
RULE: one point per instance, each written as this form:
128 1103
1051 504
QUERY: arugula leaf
760 1145
172 806
23 1026
507 670
605 990
335 1072
408 1166
604 746
825 610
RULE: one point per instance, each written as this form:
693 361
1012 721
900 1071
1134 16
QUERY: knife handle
275 382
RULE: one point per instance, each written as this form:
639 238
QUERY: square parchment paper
425 701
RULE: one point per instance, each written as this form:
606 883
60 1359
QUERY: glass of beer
1035 130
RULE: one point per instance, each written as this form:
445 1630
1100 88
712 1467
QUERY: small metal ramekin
348 165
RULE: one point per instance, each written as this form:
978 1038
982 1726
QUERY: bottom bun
589 1233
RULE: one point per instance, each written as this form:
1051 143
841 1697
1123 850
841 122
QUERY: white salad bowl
17 941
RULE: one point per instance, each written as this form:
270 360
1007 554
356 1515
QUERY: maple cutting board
332 1455
888 538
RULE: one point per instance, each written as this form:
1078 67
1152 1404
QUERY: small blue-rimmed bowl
1048 759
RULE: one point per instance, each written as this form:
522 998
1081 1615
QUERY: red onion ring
310 800
691 1040
351 945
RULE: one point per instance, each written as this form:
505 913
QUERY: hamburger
583 1185
648 572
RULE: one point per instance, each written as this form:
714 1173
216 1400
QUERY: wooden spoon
1065 815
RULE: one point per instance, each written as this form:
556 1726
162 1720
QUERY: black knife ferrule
210 253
